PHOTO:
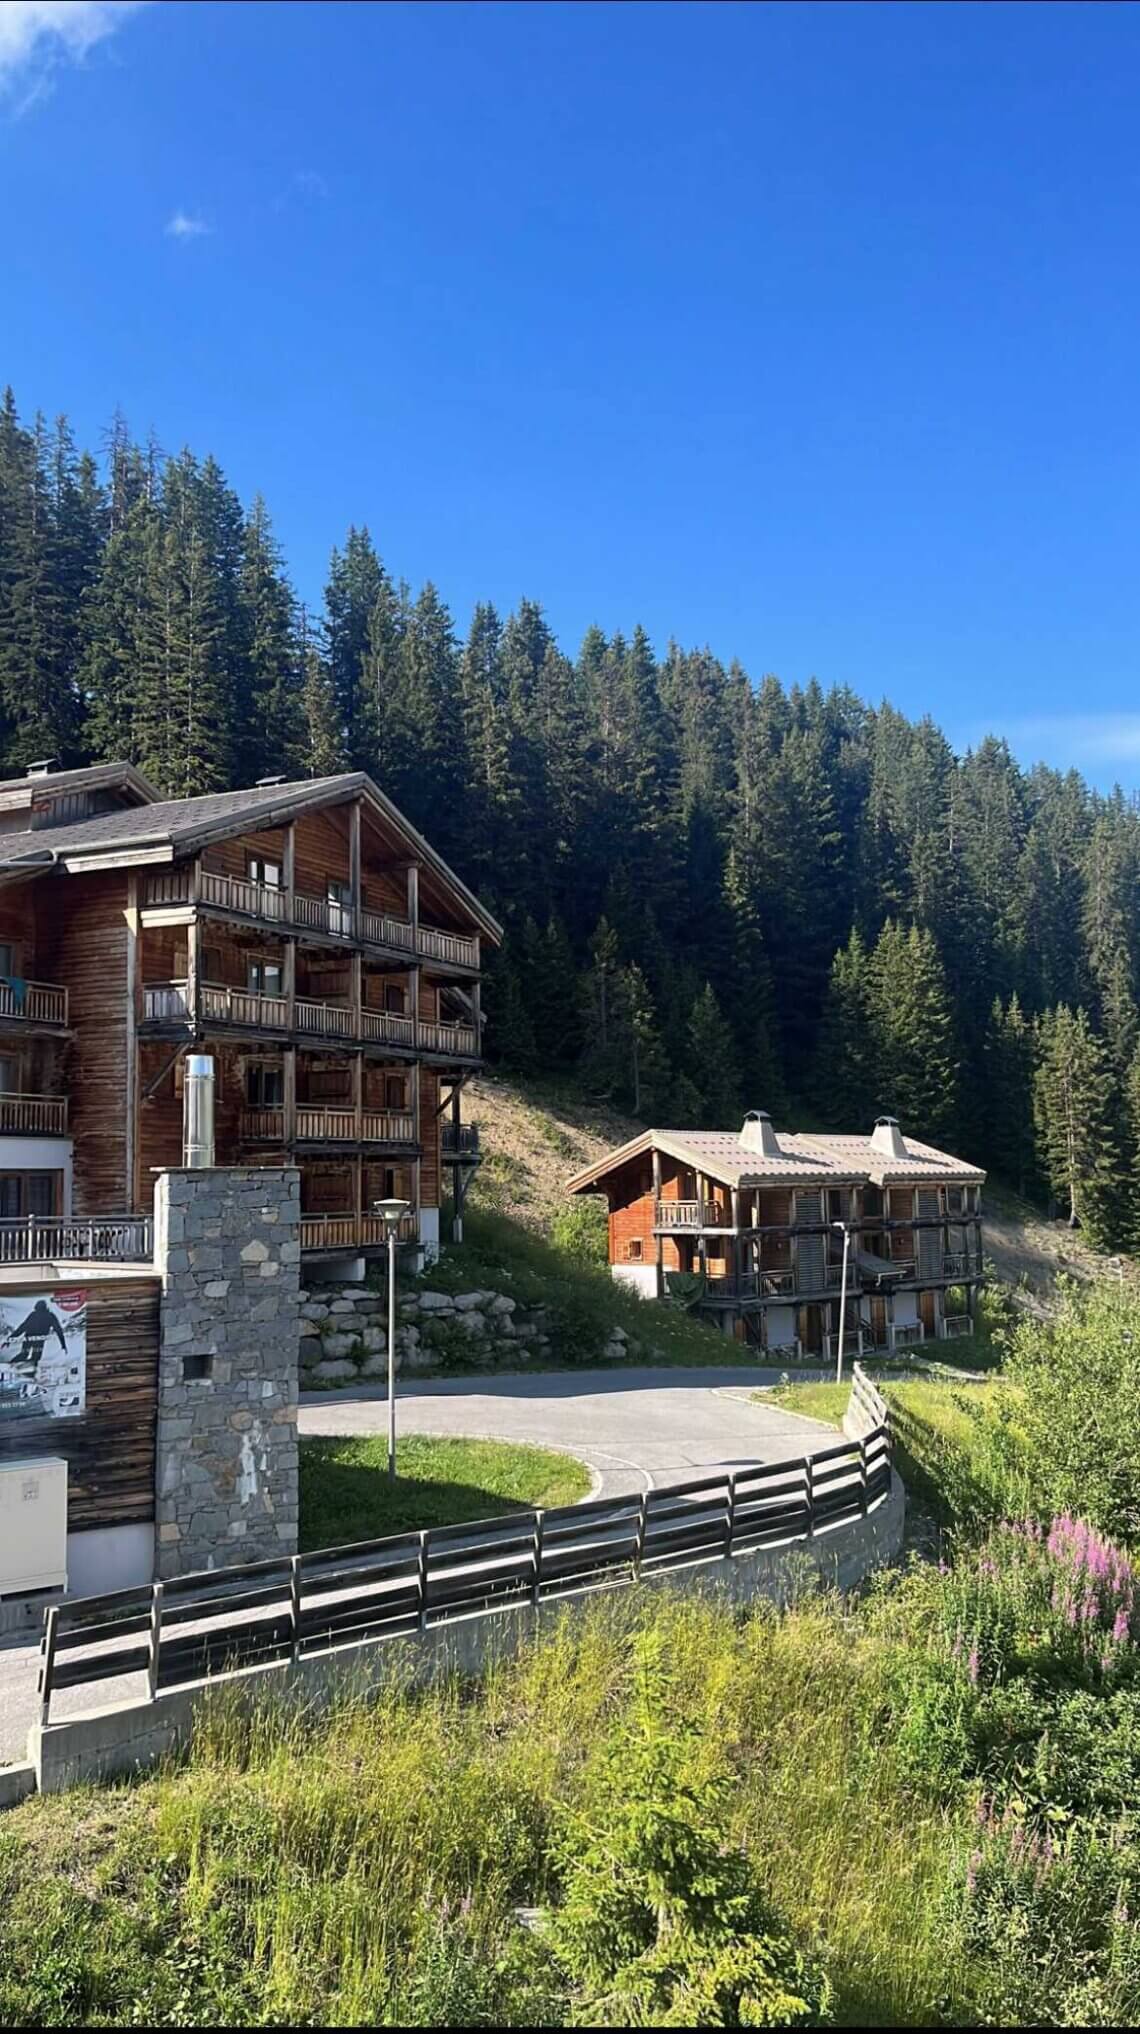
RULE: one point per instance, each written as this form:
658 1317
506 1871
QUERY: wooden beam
131 1126
289 1095
354 812
194 969
658 1240
289 868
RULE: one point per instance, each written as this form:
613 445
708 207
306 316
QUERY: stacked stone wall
227 1244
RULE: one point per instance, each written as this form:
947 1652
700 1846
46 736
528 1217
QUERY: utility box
33 1525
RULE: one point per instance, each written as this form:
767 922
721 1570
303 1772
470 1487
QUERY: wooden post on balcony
414 993
134 994
477 1017
413 881
354 813
356 993
658 1238
194 969
289 1094
358 1095
289 869
737 1246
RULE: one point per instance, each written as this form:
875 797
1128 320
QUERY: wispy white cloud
1076 738
37 36
310 184
186 226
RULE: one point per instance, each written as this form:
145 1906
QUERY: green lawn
346 1495
941 1448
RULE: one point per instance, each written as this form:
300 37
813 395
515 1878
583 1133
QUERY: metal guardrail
198 1626
51 1239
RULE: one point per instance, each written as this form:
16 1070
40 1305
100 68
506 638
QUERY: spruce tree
845 1077
1074 1108
1006 1134
711 1062
915 1067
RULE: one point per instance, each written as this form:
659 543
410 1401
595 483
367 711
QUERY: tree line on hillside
717 894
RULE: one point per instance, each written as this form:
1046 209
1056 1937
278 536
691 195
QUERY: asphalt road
636 1429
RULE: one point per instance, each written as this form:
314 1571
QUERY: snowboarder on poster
33 1331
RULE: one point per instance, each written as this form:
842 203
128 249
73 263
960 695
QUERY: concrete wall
228 1250
642 1277
114 1741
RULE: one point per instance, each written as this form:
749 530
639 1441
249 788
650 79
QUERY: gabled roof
19 794
184 824
802 1160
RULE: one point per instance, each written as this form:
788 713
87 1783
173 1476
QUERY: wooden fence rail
200 1625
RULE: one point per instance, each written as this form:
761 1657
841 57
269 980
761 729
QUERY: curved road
634 1429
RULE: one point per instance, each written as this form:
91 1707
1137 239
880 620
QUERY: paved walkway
635 1429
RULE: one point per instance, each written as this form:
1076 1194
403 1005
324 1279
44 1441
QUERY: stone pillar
227 1247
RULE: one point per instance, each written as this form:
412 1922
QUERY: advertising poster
43 1355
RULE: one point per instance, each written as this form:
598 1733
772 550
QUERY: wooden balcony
269 904
457 1039
957 1324
44 1239
220 1003
33 1115
328 1126
31 1003
351 1232
459 1141
690 1215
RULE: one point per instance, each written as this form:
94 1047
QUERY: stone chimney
887 1138
757 1134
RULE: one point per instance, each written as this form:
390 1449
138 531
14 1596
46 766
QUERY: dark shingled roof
170 819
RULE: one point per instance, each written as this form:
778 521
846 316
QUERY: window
197 1367
264 1085
7 957
395 998
9 1075
395 1091
266 978
329 1084
265 873
340 906
633 1250
29 1193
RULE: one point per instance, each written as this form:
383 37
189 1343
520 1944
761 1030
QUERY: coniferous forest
719 892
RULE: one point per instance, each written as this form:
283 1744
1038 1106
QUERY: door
926 1314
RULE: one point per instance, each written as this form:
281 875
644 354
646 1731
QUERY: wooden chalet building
304 934
751 1223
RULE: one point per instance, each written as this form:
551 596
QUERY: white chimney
887 1138
757 1134
198 1111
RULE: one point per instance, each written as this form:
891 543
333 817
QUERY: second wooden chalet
749 1226
304 934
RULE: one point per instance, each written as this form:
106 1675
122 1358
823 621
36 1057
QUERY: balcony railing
456 1038
52 1239
689 1215
852 1342
351 1232
32 1002
956 1264
34 1115
459 1140
957 1324
907 1334
387 1027
329 1126
274 905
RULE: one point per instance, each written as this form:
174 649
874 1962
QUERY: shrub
662 1921
581 1229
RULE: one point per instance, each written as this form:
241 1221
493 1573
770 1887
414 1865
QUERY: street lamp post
391 1213
842 1300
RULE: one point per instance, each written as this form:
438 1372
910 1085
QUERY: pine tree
271 735
1074 1111
844 1082
1006 1132
915 1057
711 1062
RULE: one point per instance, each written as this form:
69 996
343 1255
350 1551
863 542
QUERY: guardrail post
295 1603
731 1523
809 1474
864 1501
539 1520
421 1579
47 1666
641 1524
155 1639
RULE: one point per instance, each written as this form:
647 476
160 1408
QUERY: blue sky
807 332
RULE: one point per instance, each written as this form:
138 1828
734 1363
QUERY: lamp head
390 1212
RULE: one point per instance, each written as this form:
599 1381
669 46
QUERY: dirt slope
533 1141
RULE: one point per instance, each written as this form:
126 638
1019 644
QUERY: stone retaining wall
344 1334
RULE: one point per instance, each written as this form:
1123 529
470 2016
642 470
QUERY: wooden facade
304 935
110 1450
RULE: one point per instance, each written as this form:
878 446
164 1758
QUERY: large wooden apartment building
303 934
749 1225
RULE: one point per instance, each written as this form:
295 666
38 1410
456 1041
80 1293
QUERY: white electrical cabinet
33 1525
